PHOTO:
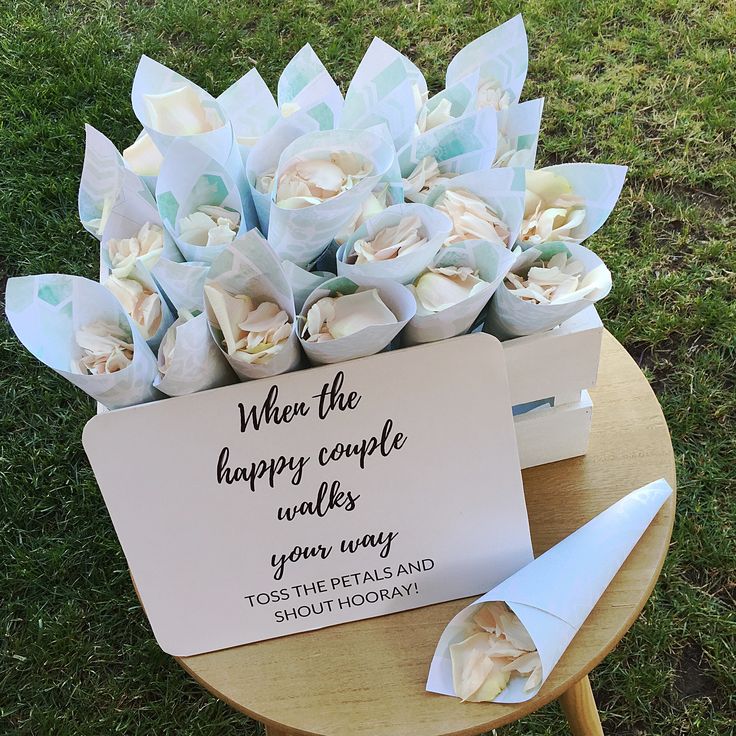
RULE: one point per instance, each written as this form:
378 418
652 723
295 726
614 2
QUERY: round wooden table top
367 678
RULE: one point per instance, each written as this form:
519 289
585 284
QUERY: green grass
650 84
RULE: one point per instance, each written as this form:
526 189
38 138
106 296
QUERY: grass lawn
647 84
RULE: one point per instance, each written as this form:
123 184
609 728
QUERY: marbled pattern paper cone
492 262
303 282
554 594
190 178
518 134
501 189
508 316
152 78
103 176
300 235
600 187
251 109
249 266
306 86
369 340
182 283
384 89
45 312
459 147
264 158
134 207
433 225
501 55
197 364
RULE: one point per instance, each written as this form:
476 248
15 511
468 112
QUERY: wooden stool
367 678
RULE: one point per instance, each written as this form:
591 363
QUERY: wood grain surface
367 678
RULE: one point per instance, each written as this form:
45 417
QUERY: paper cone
134 207
501 56
461 95
103 175
182 283
518 134
554 594
404 269
303 282
508 316
143 276
249 266
251 109
492 262
190 178
600 187
306 86
459 147
45 312
501 189
385 88
152 78
197 364
300 235
367 341
264 159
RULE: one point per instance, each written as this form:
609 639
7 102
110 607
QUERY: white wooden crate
549 375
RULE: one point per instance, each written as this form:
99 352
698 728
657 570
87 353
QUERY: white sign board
318 497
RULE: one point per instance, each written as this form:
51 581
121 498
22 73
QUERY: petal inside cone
347 314
229 311
497 647
143 157
439 289
179 112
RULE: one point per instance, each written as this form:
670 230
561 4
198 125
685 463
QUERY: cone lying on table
553 595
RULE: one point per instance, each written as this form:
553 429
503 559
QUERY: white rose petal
345 315
472 218
180 112
439 289
142 157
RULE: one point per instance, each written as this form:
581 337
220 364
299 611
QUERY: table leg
580 710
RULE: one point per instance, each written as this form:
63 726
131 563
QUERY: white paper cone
555 593
501 189
301 235
152 78
103 175
600 187
182 283
45 312
518 134
303 282
461 95
133 208
384 89
508 316
305 85
249 266
197 364
369 340
251 109
459 147
501 56
143 276
492 262
264 159
190 178
404 269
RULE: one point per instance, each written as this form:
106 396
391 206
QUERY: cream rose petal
229 311
266 316
147 314
355 312
318 314
438 291
142 157
178 112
